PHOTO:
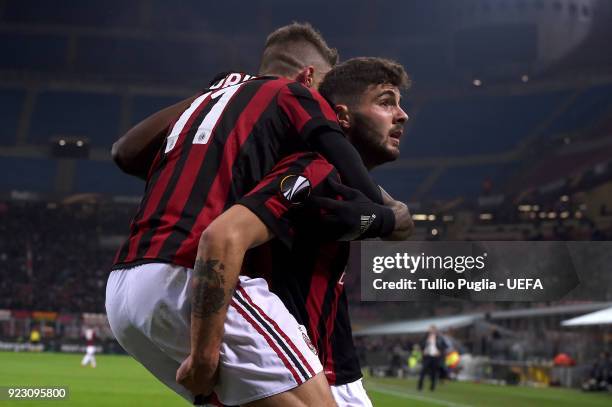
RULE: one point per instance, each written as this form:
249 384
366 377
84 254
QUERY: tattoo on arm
208 295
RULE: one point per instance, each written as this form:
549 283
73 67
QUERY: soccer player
301 267
220 147
90 349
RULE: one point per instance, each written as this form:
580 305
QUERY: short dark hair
346 82
290 48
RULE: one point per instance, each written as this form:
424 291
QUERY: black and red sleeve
315 122
285 188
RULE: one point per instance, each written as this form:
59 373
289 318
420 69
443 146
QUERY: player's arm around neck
219 261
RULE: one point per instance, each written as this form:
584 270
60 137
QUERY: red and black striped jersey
305 271
217 150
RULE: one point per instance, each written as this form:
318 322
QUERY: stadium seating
143 106
584 111
27 174
69 266
165 59
468 181
478 125
34 52
76 114
11 100
111 13
104 177
401 184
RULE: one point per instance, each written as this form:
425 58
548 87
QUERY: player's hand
353 217
199 377
404 225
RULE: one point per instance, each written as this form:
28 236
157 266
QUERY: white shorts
90 350
263 353
351 395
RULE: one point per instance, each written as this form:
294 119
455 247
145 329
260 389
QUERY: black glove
355 217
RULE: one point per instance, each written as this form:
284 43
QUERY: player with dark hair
301 265
223 143
345 87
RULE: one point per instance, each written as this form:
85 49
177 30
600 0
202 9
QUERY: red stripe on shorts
269 340
280 331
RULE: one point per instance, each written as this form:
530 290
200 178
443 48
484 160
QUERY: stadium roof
420 325
602 317
550 310
460 321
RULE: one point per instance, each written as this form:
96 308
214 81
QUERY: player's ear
343 115
306 76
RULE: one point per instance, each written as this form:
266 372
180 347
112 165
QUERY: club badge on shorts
306 338
295 188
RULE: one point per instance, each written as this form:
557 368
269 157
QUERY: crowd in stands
57 256
52 257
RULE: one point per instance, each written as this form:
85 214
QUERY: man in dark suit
434 348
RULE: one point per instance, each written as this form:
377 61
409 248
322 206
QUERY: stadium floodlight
69 147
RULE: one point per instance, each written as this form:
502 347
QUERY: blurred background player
302 266
90 348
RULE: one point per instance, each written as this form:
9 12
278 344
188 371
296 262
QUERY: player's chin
393 152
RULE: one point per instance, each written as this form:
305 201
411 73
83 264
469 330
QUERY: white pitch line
396 393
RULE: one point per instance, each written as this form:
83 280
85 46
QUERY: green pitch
120 381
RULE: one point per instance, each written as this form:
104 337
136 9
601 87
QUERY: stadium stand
57 278
510 159
113 13
478 124
584 111
11 100
474 180
143 106
401 185
27 174
25 51
105 178
158 58
94 116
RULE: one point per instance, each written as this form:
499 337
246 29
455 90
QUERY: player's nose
401 116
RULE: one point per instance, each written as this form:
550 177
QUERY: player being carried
302 266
